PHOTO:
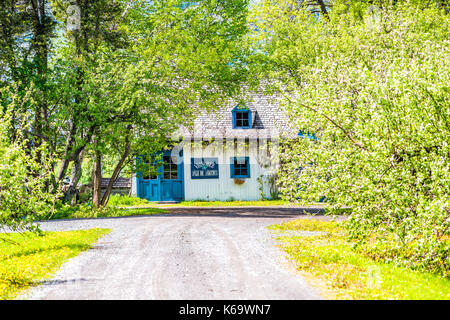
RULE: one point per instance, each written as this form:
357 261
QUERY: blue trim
138 175
247 162
307 135
242 109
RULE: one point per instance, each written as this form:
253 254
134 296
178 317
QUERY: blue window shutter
232 167
247 161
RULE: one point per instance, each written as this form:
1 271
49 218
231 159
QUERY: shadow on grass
248 212
63 282
222 212
34 251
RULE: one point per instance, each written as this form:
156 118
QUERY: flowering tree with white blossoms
372 84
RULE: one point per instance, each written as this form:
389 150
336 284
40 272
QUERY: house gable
267 120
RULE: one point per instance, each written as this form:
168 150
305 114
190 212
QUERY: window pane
241 167
242 118
174 172
170 168
151 174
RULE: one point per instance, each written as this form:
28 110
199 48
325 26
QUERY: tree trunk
97 179
68 156
75 177
40 44
117 169
323 7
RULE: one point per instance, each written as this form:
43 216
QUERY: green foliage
85 211
26 259
228 203
122 84
126 201
271 182
311 224
142 69
346 273
261 187
23 182
374 88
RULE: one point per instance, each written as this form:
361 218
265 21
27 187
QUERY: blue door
149 190
167 183
172 177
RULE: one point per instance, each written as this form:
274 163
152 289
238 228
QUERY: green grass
260 203
26 259
138 212
127 201
328 259
86 212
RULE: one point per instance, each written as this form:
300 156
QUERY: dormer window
242 118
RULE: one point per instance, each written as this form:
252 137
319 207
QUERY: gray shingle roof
118 184
268 121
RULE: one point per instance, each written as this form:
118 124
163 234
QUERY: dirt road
215 254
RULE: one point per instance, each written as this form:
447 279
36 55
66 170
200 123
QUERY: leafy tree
118 86
24 174
173 59
373 88
26 30
74 57
26 101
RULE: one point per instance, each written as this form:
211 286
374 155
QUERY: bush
126 201
84 211
24 179
375 92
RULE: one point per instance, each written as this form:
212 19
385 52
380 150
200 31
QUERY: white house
228 155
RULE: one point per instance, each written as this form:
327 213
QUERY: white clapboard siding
224 188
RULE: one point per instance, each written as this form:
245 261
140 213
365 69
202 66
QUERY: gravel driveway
189 254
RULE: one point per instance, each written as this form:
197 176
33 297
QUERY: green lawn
139 212
260 203
85 212
328 260
127 201
26 259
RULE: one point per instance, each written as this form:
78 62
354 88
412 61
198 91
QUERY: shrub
126 201
24 179
374 91
85 211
